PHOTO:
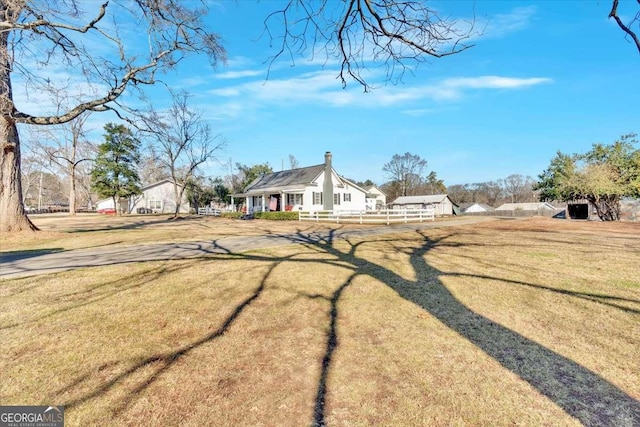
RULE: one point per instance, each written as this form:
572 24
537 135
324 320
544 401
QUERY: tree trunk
12 214
72 177
72 192
177 196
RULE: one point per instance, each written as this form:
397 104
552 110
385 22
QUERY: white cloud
493 82
324 88
240 74
502 24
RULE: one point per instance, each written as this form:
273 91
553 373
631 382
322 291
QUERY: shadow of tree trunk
581 393
332 343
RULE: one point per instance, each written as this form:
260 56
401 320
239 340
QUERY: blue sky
544 76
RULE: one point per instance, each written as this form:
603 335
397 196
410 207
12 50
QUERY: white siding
358 198
160 199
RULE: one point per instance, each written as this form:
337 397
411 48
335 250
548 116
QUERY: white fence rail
209 211
369 217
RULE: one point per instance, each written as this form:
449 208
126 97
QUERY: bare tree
152 169
293 162
407 170
518 188
36 36
32 168
395 33
66 147
183 141
627 28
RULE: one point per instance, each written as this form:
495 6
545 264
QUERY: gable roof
371 187
155 184
465 206
430 199
352 184
289 178
525 206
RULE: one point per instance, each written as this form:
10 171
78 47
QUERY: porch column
283 202
263 203
233 204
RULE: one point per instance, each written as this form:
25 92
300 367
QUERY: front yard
524 322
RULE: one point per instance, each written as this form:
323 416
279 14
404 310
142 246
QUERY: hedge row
277 216
232 215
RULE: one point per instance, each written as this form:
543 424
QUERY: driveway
23 264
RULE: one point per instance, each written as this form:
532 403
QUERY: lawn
523 322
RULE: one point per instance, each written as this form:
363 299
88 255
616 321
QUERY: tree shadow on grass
94 293
159 363
580 392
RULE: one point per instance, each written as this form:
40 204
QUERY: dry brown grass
530 322
92 230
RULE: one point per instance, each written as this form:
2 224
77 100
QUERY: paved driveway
22 264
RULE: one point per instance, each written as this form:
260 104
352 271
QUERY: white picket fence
370 217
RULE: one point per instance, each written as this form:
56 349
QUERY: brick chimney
327 188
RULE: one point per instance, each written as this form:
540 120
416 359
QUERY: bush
232 215
277 216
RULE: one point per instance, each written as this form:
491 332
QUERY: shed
442 203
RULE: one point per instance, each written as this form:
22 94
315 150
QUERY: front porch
270 201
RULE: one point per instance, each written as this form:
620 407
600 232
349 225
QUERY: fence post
387 216
405 216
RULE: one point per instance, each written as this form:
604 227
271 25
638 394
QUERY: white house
313 188
375 198
536 206
156 198
442 203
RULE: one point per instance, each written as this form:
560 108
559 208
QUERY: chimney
327 188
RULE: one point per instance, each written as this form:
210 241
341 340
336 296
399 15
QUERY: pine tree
115 172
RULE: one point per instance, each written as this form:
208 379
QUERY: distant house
375 198
442 203
312 188
536 206
155 198
475 207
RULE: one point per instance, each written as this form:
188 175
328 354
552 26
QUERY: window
336 198
317 198
155 204
347 197
294 199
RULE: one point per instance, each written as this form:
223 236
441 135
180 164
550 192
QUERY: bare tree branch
394 33
626 28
